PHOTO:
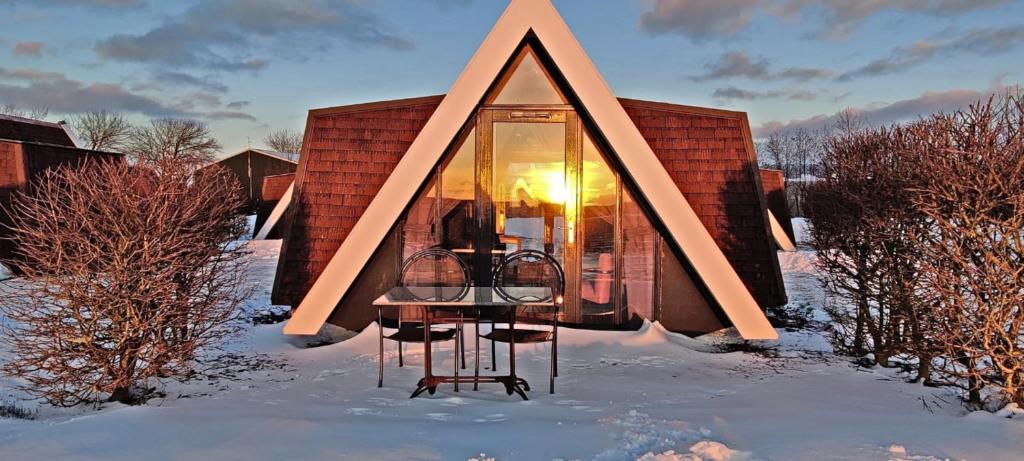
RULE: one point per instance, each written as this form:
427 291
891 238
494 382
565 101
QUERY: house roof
29 130
276 214
774 182
611 120
284 156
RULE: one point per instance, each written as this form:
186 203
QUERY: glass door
524 195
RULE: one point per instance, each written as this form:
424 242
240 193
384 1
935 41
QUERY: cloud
238 104
698 19
883 113
229 115
702 20
838 18
30 49
740 64
979 41
732 92
181 79
58 93
217 34
82 3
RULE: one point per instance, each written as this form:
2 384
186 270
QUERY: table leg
455 356
426 384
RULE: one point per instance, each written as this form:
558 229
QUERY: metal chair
433 267
529 268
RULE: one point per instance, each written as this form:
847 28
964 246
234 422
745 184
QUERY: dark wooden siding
271 192
709 154
262 166
774 183
21 163
348 154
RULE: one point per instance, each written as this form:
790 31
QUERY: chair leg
554 357
401 361
455 355
476 363
462 344
554 352
380 356
494 351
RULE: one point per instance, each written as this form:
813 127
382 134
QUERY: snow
642 395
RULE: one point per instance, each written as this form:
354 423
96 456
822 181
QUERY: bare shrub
973 191
867 233
12 410
129 273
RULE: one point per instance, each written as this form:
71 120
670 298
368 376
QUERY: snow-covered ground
648 395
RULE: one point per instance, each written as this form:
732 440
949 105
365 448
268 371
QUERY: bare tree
129 274
37 113
172 140
102 130
797 153
973 190
289 141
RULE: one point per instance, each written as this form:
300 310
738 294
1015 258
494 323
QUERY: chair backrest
531 268
434 267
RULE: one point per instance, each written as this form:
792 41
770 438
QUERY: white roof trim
276 213
781 238
262 152
611 119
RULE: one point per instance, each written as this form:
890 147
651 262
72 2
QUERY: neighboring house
25 129
774 182
273 189
28 148
655 210
252 165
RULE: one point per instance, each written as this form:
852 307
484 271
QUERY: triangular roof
30 130
286 156
781 238
283 156
542 19
275 215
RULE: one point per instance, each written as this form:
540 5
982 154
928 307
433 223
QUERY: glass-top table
467 297
466 304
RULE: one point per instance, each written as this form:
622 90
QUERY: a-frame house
655 210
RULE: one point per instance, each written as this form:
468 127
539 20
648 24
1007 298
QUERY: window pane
529 187
529 84
458 192
419 230
599 187
638 240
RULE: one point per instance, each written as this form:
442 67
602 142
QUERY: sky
249 67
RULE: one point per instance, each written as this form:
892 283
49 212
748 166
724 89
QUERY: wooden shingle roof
352 150
28 130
